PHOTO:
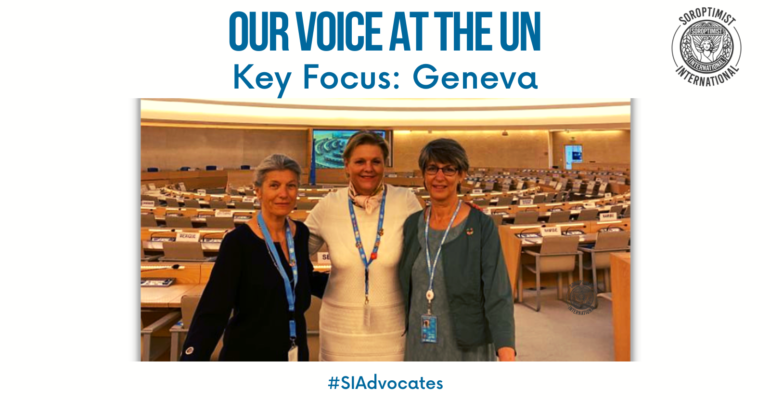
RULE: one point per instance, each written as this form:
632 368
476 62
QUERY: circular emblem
706 46
581 297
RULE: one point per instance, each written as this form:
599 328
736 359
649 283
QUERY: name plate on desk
477 191
573 232
608 216
188 236
323 256
202 192
175 214
249 199
608 195
163 239
182 187
242 217
611 229
526 202
223 213
212 240
157 282
148 203
550 231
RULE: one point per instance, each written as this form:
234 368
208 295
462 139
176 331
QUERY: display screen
328 146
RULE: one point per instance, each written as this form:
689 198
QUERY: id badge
429 326
294 353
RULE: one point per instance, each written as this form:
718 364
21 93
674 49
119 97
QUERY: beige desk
163 297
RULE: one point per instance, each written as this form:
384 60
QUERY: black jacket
244 281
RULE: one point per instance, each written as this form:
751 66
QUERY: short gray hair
445 151
276 162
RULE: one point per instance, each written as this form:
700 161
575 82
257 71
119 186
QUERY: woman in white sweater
362 316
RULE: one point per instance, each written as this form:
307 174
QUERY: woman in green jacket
453 276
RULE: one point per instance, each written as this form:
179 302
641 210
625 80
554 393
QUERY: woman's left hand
506 354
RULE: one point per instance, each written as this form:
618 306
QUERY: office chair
559 216
148 221
178 222
218 204
505 201
220 222
243 205
526 217
184 251
481 202
551 197
305 205
557 255
539 199
627 213
152 348
618 210
588 215
192 203
179 333
498 218
606 243
172 202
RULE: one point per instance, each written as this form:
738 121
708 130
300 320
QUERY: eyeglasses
448 170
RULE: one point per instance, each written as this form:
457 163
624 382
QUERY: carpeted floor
556 334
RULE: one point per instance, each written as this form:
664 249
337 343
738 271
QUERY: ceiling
390 113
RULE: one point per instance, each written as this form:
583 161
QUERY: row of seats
207 168
527 217
149 221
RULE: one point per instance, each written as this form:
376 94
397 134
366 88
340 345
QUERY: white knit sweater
344 336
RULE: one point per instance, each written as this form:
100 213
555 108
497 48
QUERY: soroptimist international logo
706 47
581 298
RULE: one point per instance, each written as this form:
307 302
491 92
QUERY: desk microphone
161 267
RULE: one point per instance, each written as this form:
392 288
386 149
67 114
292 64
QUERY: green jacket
480 297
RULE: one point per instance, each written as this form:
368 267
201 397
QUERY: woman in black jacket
263 277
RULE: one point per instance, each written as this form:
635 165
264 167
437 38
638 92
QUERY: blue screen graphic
328 146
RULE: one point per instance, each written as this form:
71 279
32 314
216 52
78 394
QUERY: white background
71 74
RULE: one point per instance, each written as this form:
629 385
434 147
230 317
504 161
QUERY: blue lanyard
360 246
290 291
432 266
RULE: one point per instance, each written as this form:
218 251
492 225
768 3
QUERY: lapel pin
469 231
